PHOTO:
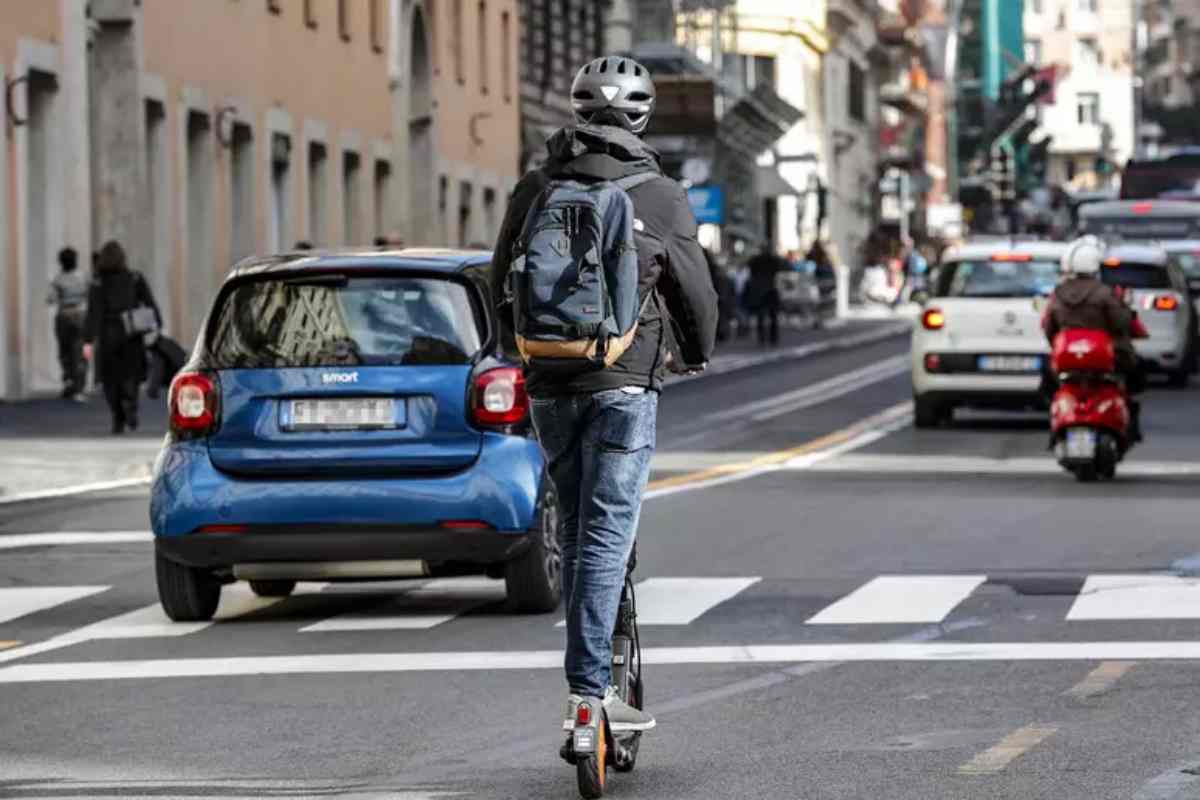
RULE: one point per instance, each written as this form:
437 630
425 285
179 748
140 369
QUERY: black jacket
669 260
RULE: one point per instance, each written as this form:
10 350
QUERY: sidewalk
52 447
48 444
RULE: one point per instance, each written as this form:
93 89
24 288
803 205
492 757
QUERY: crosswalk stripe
681 601
1137 597
461 594
59 538
23 600
900 599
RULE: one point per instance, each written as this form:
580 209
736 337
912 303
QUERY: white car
1157 288
979 339
1186 253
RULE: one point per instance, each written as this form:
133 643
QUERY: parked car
349 416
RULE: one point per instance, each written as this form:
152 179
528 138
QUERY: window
383 191
274 6
465 219
858 93
310 13
241 207
1089 6
317 193
456 41
279 235
1033 51
984 279
343 9
1136 276
1088 107
481 50
351 206
764 71
506 56
376 25
1088 52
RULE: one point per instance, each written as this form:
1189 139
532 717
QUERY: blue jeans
599 448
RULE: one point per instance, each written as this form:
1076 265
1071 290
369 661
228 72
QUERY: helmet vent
584 94
621 67
639 97
604 65
637 70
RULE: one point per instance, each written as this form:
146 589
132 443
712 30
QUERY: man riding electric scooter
561 273
1081 300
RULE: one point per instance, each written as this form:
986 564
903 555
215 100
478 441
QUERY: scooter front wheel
591 770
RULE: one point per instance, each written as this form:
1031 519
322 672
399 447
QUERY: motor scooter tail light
933 319
194 404
500 398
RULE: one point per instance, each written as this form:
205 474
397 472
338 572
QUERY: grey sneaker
622 717
573 701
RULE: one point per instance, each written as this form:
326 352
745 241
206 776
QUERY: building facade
327 121
1092 117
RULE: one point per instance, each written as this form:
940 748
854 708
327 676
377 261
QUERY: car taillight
933 319
1166 302
193 404
933 362
500 398
1143 208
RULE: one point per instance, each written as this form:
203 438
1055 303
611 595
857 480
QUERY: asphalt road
834 606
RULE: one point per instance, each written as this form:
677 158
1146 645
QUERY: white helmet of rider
1083 257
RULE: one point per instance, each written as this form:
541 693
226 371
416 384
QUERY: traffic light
1003 174
1038 159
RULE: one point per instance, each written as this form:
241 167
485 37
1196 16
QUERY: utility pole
1136 59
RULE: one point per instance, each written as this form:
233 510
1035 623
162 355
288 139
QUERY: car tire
1180 378
928 412
187 594
533 580
276 588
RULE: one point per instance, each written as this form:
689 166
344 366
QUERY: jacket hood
1077 291
599 152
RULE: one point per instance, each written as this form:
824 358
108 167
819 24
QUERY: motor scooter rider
1081 300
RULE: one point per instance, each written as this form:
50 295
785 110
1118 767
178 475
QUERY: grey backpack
574 280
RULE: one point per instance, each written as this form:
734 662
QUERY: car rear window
337 320
998 278
1136 276
1179 176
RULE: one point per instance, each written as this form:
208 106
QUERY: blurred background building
1168 60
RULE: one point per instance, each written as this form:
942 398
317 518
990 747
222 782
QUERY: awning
757 121
772 184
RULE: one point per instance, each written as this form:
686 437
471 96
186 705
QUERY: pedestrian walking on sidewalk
121 311
69 291
763 296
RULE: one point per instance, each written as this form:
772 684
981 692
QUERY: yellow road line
1100 680
1010 748
779 457
6 645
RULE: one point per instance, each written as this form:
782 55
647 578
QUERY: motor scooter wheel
1086 473
591 771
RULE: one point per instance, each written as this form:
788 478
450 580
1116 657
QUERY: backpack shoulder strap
632 181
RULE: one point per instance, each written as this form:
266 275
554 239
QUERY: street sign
708 204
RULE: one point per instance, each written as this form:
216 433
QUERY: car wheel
1180 378
278 588
927 412
533 580
187 594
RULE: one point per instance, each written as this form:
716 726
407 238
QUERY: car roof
1142 252
1144 208
985 248
412 259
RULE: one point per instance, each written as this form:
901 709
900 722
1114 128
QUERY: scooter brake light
583 715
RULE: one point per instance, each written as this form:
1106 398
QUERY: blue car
349 416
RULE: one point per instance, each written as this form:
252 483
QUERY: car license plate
345 414
1010 364
1081 443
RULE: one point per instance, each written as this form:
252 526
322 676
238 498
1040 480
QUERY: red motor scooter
1089 416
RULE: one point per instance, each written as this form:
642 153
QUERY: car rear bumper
501 490
213 550
1015 400
978 384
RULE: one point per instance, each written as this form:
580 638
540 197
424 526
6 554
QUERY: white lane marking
459 661
875 427
464 594
79 488
681 601
1007 750
1177 783
900 598
979 465
1137 597
1100 680
55 538
22 600
147 622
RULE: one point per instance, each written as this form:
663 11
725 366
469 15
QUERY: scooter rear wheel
591 771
